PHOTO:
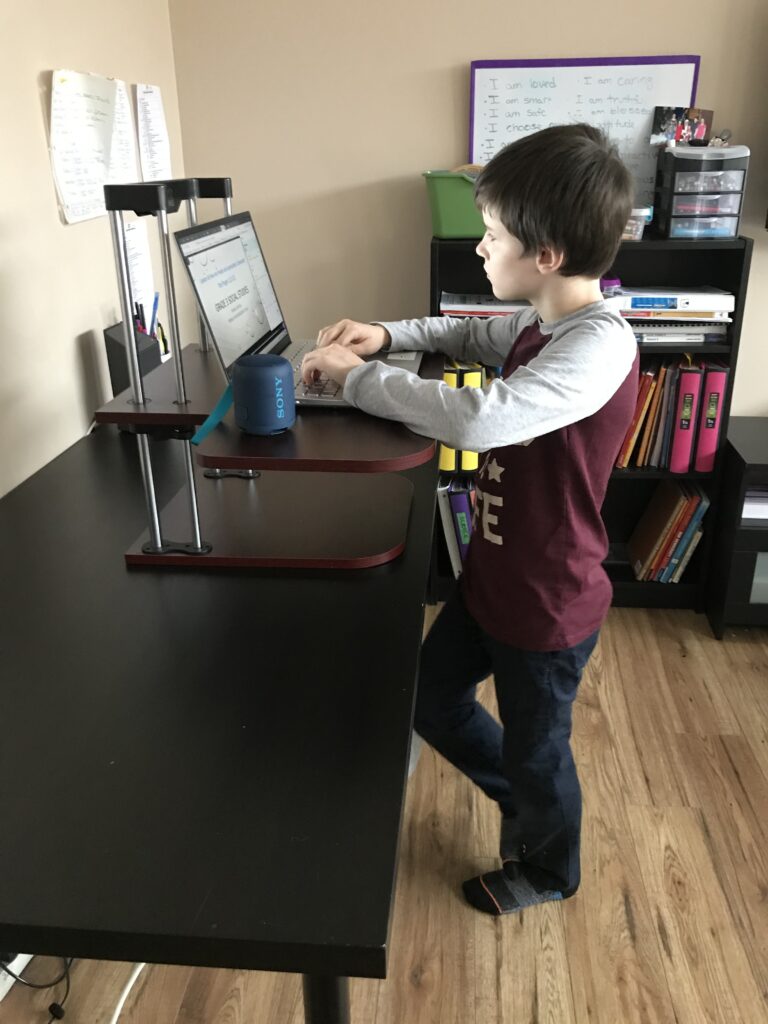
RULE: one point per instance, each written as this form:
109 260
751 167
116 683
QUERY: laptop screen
232 285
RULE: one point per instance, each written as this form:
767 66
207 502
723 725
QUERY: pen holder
262 390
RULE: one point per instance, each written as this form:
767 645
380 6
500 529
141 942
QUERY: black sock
506 891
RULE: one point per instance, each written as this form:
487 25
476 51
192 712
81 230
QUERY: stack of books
665 332
677 418
478 305
668 532
456 502
691 316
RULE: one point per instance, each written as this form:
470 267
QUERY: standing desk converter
199 768
313 469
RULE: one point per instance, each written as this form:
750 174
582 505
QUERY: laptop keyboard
323 388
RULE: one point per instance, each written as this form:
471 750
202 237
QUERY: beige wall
325 115
57 281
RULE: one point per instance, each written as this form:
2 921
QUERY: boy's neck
561 296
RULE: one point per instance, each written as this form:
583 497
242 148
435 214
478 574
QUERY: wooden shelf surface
204 384
329 440
287 520
332 440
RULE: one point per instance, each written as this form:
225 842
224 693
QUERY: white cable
137 969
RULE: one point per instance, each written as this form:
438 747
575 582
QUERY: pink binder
712 399
686 412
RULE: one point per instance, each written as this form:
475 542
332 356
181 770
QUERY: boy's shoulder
521 321
597 321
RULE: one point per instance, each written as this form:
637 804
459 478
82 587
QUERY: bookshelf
722 263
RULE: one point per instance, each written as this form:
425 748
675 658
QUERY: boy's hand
363 339
334 360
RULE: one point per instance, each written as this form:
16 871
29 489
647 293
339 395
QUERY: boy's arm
572 377
469 339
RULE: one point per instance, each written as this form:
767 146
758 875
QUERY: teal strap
218 414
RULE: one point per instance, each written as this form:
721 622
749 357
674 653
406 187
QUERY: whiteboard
514 98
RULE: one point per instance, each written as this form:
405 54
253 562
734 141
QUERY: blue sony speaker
262 389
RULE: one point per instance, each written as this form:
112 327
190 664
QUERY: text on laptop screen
232 284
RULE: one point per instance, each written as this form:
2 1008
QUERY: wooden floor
671 921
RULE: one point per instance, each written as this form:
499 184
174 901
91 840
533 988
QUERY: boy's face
512 275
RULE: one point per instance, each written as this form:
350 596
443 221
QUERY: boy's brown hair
564 187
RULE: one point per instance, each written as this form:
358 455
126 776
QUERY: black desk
198 768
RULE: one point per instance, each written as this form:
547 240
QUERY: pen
140 311
154 313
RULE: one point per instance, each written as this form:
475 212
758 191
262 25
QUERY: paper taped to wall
154 145
92 141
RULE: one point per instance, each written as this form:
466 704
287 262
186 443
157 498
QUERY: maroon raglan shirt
533 577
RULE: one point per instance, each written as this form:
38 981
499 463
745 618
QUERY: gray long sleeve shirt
587 358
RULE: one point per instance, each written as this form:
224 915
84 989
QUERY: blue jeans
526 766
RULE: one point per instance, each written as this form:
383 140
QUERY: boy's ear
549 260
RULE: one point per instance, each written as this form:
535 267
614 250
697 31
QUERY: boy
533 593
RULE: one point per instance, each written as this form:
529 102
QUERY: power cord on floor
137 969
56 1010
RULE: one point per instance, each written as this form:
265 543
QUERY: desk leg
326 999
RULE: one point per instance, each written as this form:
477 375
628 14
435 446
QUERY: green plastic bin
454 214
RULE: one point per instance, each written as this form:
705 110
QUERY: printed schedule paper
92 141
154 145
139 264
123 158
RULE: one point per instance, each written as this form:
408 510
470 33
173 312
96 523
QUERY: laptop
234 291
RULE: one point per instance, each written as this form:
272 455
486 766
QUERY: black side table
737 589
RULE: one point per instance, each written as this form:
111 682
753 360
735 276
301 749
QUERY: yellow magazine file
448 458
469 377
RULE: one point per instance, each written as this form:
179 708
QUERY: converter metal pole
134 372
170 298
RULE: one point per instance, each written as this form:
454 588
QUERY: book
687 556
674 371
673 300
654 457
446 517
665 339
647 378
461 509
478 305
712 399
693 525
654 525
685 417
676 531
448 461
651 418
679 333
680 315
